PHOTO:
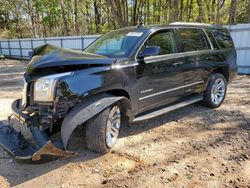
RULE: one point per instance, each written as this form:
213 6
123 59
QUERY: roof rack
190 23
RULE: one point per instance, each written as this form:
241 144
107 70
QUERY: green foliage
42 18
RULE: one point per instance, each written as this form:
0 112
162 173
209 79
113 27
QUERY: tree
248 11
232 12
31 12
97 17
220 4
200 18
118 12
66 29
76 24
41 18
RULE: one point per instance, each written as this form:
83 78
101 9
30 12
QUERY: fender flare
83 112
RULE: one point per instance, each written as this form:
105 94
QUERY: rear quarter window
223 38
191 39
212 39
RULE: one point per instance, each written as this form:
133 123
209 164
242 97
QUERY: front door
160 78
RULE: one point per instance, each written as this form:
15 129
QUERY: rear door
196 52
160 77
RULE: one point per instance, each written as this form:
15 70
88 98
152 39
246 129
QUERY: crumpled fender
83 112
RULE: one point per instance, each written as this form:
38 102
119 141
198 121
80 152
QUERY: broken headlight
45 87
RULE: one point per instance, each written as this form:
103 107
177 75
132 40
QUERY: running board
169 108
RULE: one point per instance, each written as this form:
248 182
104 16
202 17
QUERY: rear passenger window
223 38
212 39
164 40
192 40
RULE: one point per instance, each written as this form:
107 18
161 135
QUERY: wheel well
119 92
223 71
125 102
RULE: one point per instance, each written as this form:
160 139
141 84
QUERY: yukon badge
146 91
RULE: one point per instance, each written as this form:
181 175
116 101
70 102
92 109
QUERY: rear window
191 39
223 38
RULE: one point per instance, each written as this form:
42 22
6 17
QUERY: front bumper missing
41 148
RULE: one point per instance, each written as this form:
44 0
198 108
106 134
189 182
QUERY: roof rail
190 23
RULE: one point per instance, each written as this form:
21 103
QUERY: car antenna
140 22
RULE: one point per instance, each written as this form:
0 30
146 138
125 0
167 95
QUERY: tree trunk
166 11
248 11
89 26
220 4
218 12
44 27
117 12
32 18
232 12
176 12
190 10
7 21
126 12
181 11
213 10
66 29
187 10
135 12
97 17
76 24
200 18
148 12
170 10
17 19
159 11
208 10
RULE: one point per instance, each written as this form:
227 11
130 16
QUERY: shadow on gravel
19 173
27 172
205 114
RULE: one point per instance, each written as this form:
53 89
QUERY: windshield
115 44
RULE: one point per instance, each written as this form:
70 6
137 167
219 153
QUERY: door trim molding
170 90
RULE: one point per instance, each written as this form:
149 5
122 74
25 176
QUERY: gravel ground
191 147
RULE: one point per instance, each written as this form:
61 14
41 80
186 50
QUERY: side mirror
149 51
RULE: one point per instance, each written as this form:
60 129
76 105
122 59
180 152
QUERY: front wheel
216 91
103 129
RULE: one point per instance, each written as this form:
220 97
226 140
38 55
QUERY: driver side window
164 40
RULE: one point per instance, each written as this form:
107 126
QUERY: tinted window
192 40
212 39
223 38
164 40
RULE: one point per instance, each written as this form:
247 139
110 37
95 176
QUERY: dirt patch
191 147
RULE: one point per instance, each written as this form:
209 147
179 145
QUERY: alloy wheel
218 91
113 126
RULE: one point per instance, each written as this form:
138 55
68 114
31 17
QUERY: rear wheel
103 129
216 91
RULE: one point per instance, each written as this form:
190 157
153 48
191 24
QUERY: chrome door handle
177 64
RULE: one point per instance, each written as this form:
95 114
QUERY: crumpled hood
49 57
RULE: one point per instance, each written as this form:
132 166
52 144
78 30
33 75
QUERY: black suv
131 74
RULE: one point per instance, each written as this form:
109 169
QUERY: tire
216 91
102 127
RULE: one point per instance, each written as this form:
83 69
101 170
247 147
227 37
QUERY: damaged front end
56 83
36 111
40 148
